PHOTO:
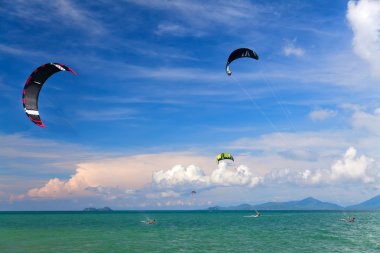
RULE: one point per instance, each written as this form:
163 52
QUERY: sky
151 106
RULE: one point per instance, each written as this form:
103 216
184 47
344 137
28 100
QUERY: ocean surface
189 231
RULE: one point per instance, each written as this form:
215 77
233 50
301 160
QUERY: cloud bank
119 176
114 179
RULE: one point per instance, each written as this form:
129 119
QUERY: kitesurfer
151 221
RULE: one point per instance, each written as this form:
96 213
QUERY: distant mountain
305 204
371 204
214 208
245 207
92 209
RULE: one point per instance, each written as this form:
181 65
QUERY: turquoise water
188 231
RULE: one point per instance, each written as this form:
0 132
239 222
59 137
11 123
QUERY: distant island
309 203
93 209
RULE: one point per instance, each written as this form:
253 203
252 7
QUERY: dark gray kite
33 87
240 53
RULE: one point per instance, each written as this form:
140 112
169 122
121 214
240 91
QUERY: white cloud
23 153
299 144
117 177
322 114
111 193
18 51
290 49
350 168
367 121
164 194
144 177
18 145
179 175
196 17
192 176
364 18
108 114
306 159
301 177
56 188
131 176
59 12
311 158
176 30
341 68
227 176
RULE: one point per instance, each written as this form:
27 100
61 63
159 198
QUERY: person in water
152 221
349 219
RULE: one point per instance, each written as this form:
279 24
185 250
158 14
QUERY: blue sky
151 107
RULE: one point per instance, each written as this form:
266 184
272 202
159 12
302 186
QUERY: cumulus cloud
119 177
241 175
139 177
225 175
321 114
364 19
350 168
180 175
285 175
56 188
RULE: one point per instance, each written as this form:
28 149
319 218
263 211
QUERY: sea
189 231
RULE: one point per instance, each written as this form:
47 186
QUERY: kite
33 87
240 53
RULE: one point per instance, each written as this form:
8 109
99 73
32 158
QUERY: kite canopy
33 87
223 156
240 53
